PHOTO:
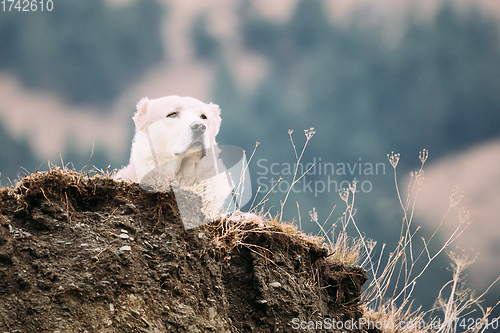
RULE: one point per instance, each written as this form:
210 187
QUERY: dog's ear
215 109
140 117
215 120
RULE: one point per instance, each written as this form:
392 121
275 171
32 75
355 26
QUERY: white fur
167 151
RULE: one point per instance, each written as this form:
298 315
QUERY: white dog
174 145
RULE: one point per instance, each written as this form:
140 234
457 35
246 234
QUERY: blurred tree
441 85
86 51
16 158
261 35
309 26
206 45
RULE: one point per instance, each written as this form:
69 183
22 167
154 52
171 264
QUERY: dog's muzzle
197 145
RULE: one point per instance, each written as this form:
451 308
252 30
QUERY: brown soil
94 255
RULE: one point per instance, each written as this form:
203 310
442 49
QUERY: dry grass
389 296
231 231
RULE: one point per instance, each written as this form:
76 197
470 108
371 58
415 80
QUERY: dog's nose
198 128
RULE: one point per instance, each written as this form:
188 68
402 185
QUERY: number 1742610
27 5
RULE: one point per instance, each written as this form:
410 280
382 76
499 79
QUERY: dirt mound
81 254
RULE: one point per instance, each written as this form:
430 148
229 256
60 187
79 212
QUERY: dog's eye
173 114
203 116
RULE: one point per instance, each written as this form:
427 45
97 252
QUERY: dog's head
188 125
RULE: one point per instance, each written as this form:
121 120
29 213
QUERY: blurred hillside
370 79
